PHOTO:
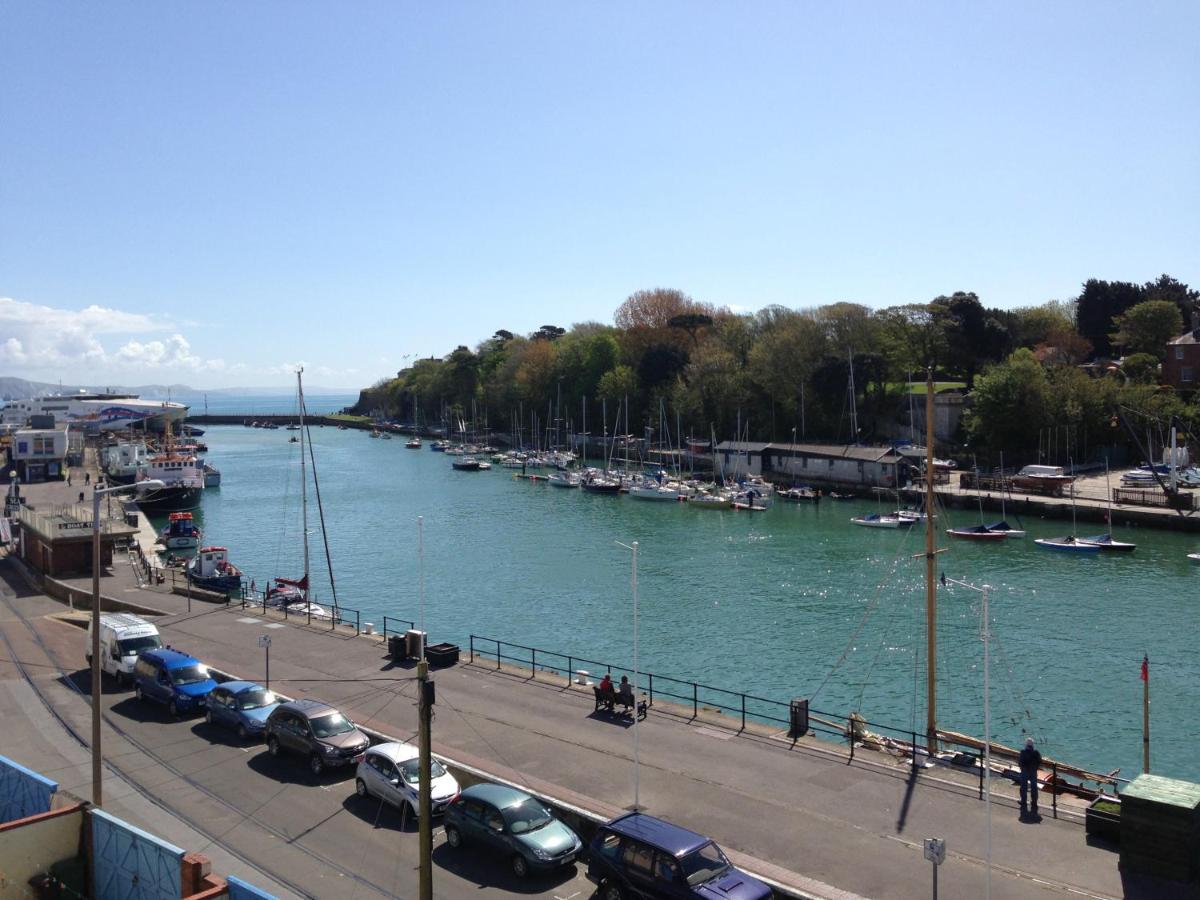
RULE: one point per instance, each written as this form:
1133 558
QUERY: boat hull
969 534
1066 545
170 499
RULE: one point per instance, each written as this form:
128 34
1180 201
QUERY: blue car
242 706
178 681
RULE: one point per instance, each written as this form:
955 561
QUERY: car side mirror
394 781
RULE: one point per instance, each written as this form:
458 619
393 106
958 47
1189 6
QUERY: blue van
178 681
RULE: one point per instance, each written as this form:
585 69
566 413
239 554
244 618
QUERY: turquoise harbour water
793 602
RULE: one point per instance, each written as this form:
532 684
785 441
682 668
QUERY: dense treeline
668 357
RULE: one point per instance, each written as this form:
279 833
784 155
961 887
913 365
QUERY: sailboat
1105 541
1069 543
293 593
414 443
978 532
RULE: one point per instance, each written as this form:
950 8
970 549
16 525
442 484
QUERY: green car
514 825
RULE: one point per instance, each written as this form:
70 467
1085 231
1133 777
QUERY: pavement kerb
756 867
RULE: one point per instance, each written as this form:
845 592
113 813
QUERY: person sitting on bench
625 693
607 694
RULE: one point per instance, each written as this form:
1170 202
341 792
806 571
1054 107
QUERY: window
667 870
639 858
610 844
1185 373
1179 353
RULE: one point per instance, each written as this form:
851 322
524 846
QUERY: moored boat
1067 544
1107 544
876 520
976 533
181 532
211 570
465 464
1002 527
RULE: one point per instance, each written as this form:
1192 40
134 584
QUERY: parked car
639 856
391 772
513 824
122 637
315 730
180 682
242 706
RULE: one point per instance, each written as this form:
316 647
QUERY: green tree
618 383
1141 368
1098 305
1011 404
1146 327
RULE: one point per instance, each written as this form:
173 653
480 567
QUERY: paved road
264 819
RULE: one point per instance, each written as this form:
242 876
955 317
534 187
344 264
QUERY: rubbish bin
414 641
798 719
441 654
396 647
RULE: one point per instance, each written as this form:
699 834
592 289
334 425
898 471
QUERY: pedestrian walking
1030 762
68 477
87 478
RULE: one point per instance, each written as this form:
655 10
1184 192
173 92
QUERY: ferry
96 412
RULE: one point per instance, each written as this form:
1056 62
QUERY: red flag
1145 668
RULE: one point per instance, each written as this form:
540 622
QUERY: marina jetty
798 803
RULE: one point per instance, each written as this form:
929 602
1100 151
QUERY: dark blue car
178 681
639 856
242 706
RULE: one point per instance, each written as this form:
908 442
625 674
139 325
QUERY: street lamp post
97 768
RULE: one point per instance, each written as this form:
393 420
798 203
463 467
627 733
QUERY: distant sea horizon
265 404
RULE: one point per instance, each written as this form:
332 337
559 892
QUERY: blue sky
212 193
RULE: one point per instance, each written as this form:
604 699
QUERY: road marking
248 620
275 625
712 732
568 897
323 787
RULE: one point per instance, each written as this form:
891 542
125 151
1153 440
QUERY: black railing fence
334 615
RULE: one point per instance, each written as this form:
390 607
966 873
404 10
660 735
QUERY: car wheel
242 733
137 693
453 837
610 890
315 765
360 788
519 866
173 709
273 745
208 716
120 676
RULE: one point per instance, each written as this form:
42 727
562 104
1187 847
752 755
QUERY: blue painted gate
23 792
129 864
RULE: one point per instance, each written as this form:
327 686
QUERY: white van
122 637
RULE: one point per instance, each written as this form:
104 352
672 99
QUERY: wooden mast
930 583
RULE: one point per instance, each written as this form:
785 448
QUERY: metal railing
337 615
395 622
853 729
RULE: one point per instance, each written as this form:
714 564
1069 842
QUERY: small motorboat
876 520
211 570
1194 557
839 495
563 480
181 531
414 444
466 464
711 501
801 494
1068 544
976 533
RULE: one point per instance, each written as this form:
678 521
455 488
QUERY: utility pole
425 807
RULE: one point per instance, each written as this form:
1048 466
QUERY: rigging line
320 508
867 613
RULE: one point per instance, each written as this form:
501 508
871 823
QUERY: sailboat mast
930 584
303 480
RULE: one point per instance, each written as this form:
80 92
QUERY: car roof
172 659
395 751
498 795
309 708
662 834
236 687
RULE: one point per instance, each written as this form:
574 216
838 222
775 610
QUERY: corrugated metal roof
839 451
742 446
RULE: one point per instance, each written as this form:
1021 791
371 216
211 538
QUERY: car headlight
540 853
328 748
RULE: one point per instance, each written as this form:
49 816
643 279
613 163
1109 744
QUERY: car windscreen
255 699
527 815
133 646
189 674
410 770
328 726
701 865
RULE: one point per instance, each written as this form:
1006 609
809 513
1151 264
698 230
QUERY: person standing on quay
1030 762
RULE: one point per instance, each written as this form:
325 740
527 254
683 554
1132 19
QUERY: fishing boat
211 570
181 532
876 520
976 533
212 476
182 480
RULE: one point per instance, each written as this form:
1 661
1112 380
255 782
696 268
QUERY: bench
610 701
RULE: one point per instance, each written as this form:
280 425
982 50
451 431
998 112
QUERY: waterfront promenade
800 812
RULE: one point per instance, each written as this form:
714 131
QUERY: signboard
264 640
935 850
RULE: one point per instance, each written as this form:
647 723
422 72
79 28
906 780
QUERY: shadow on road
378 814
491 870
292 768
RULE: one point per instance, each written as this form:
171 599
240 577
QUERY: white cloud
44 338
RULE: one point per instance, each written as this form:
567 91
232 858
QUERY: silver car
391 772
